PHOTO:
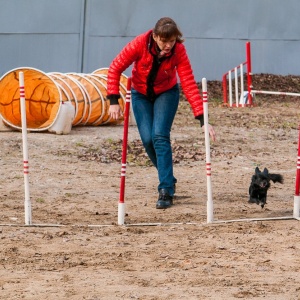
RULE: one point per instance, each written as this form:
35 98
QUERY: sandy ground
76 250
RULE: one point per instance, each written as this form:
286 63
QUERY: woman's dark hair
166 28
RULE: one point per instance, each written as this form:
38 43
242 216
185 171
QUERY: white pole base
296 207
210 212
28 213
121 214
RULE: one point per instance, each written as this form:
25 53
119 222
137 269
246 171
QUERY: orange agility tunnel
53 99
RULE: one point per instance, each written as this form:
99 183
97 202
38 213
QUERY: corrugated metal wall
83 35
47 35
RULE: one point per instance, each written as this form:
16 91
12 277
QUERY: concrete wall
84 35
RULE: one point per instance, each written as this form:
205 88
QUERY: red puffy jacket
137 52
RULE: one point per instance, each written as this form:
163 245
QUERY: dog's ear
266 172
257 171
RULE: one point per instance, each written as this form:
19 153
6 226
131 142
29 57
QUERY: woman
158 56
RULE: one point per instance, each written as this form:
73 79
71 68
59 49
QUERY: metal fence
83 35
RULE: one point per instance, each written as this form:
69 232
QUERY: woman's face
165 45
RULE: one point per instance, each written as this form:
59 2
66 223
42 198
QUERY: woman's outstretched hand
211 132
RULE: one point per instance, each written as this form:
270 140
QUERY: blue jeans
154 121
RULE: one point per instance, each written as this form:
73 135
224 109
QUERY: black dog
260 183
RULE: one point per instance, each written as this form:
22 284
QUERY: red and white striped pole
210 209
297 184
27 203
121 206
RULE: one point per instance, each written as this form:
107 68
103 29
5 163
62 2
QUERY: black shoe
164 200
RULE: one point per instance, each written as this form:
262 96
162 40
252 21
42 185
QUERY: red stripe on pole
208 169
204 96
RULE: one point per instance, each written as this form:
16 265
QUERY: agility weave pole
121 206
296 212
27 202
210 207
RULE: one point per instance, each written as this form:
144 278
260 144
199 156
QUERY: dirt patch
78 251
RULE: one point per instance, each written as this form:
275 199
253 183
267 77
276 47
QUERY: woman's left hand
211 132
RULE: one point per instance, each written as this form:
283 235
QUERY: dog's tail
276 178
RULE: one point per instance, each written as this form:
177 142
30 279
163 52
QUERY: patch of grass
79 144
